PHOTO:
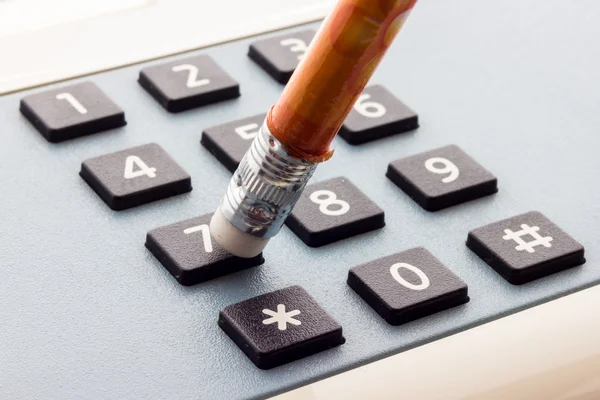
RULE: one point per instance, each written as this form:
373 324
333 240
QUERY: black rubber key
333 210
187 250
229 142
188 83
376 114
280 327
72 111
280 55
407 286
135 176
442 178
525 247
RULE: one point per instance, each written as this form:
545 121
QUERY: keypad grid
386 195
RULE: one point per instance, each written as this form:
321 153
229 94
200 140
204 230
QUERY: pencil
298 130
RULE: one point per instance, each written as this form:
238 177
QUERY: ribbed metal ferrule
265 187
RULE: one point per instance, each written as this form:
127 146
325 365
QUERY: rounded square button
280 55
376 114
72 111
135 176
442 178
525 247
187 250
279 327
188 83
333 210
407 286
229 142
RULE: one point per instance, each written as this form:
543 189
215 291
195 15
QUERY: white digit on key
422 277
330 200
205 236
192 80
369 109
143 168
449 168
72 101
247 132
296 46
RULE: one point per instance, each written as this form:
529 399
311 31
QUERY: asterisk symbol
281 317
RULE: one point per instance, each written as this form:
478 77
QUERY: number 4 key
135 176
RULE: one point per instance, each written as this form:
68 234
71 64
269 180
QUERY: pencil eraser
233 240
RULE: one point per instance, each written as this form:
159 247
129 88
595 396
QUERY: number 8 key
333 210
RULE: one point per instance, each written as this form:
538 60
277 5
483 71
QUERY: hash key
442 178
279 327
525 247
135 176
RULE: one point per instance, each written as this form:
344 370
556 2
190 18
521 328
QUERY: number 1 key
72 111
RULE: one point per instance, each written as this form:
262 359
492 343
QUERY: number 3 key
279 56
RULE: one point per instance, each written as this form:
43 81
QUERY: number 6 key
442 178
333 210
376 114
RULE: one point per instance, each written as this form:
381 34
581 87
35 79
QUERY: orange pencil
299 128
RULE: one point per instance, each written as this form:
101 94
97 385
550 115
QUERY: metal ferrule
265 187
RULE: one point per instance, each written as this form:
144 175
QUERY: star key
280 327
281 317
